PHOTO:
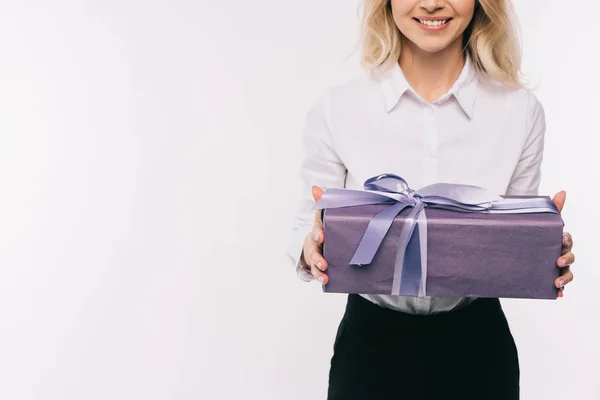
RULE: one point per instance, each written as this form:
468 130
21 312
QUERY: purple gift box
435 248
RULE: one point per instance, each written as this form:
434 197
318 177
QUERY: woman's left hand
567 258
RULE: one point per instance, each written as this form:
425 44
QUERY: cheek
401 10
464 8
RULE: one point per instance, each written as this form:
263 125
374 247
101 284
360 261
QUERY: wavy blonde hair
490 39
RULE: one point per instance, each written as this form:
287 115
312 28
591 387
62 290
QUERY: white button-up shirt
478 133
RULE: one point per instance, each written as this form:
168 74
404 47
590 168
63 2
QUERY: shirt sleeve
320 166
527 175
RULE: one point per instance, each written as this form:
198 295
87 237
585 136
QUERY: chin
431 48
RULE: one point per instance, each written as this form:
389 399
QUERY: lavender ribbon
410 270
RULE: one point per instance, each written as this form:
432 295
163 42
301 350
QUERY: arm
321 166
526 180
527 175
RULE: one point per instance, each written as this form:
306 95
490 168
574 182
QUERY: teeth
433 23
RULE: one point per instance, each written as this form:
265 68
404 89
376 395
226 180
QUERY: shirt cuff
295 255
304 274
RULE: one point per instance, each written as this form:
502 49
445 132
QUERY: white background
149 156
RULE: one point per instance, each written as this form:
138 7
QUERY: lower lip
429 28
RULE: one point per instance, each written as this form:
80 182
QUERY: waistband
479 310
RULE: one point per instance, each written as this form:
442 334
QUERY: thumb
317 192
559 199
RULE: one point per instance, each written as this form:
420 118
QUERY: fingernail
321 279
563 262
317 237
562 283
320 265
565 239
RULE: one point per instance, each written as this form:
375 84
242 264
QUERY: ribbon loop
386 183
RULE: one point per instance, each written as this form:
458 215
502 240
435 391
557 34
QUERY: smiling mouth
433 22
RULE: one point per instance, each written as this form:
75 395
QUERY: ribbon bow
410 271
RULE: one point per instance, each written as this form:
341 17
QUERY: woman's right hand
312 251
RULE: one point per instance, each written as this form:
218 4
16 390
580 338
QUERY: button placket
430 137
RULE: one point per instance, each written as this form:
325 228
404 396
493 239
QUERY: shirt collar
394 85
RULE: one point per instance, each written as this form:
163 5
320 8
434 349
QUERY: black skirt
384 354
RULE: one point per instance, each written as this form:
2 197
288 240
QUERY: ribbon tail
374 234
422 223
407 276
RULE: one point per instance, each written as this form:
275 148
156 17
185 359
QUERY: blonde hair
490 39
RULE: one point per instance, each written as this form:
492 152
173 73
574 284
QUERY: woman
442 102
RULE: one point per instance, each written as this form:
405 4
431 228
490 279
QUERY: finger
317 192
561 292
559 200
566 259
564 279
318 235
318 220
316 272
567 241
318 261
320 276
